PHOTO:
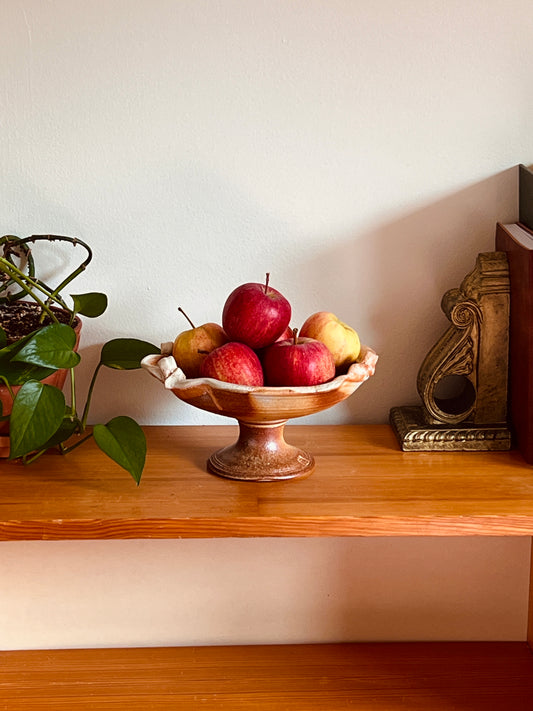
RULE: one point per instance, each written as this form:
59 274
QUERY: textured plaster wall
359 152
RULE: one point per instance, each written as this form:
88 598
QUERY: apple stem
188 319
266 282
295 336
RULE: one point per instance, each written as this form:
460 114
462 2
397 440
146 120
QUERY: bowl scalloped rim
175 380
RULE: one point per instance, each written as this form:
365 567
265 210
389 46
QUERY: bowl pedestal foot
261 454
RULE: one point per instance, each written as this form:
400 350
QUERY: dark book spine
525 196
520 339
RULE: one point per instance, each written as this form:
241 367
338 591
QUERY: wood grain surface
366 677
363 485
530 608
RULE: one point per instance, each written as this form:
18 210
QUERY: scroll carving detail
462 381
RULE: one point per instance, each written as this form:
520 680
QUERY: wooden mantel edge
530 609
267 526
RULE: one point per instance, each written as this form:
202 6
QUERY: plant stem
295 336
8 386
89 395
29 460
188 319
62 238
73 412
11 248
266 282
66 450
23 281
29 284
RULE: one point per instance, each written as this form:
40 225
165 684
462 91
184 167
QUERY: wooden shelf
366 677
363 485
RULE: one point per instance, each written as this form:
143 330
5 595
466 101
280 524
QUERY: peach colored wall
361 153
137 593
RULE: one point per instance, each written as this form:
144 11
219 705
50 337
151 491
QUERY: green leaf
124 442
7 352
51 347
20 373
3 338
125 353
91 305
17 373
37 413
65 430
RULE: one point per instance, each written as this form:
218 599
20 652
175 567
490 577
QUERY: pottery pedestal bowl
260 452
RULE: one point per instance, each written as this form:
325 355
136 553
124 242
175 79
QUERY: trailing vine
38 415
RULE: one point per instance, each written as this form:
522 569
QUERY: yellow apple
341 339
191 347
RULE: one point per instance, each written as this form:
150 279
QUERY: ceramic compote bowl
260 453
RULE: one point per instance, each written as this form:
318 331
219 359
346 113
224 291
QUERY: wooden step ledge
446 676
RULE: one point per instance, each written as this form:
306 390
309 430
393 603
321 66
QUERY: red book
517 241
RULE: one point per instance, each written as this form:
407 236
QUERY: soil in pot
20 318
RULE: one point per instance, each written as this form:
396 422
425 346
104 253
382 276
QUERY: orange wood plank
367 677
362 485
530 611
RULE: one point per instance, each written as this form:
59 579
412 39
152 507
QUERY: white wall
359 152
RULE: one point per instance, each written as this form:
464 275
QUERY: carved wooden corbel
462 381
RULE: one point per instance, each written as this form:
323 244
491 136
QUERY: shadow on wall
388 283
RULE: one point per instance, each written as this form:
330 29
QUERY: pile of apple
256 346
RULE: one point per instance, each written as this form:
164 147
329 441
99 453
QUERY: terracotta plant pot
56 379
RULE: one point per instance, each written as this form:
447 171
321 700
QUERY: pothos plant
39 415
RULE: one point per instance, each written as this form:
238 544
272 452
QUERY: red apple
233 363
191 347
255 314
287 333
298 361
